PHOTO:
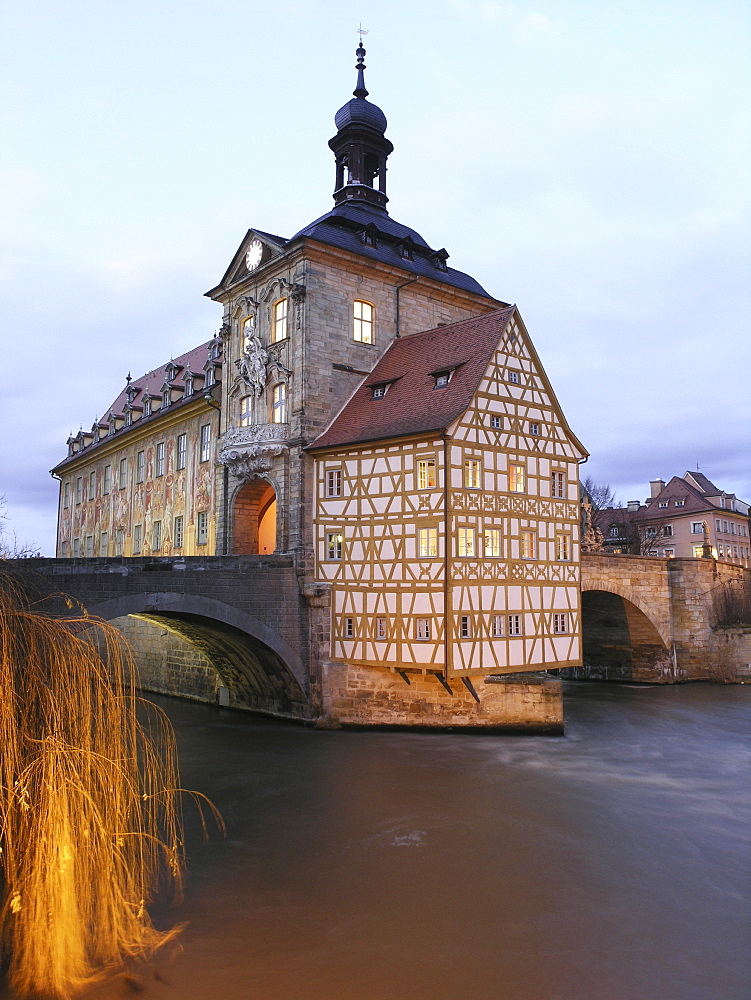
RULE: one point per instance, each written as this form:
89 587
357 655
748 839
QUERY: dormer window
439 260
680 503
379 391
442 379
210 377
664 503
215 347
170 371
189 384
369 236
147 406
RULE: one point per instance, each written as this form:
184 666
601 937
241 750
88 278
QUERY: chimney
633 506
656 487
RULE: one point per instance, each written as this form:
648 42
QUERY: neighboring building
685 518
142 481
385 421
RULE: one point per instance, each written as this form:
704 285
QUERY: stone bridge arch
260 670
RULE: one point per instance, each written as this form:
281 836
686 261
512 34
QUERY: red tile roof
412 404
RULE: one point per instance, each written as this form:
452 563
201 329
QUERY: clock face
254 254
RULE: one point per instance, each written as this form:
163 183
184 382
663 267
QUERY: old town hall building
372 412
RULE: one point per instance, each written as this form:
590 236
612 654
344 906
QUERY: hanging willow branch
90 817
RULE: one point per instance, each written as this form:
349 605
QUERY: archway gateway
254 519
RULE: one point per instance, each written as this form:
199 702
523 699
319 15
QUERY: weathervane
361 31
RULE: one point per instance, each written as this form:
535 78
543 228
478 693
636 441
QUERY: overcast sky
588 161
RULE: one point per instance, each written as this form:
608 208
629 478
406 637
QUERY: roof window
379 391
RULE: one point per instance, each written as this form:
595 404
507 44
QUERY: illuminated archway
254 519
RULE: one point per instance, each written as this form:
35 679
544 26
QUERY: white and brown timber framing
455 610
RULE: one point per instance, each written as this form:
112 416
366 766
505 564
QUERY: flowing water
613 863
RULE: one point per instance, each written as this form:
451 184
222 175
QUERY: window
492 543
732 527
122 481
697 527
159 459
516 479
334 545
334 483
667 530
363 326
103 544
349 627
650 531
427 543
89 546
147 406
279 405
514 624
246 411
422 629
466 540
560 624
205 443
669 553
465 628
528 545
563 547
534 428
496 626
442 380
79 488
698 551
664 503
615 531
64 549
66 495
202 527
76 548
140 466
513 378
379 391
119 539
182 451
558 484
156 536
178 532
680 503
472 474
107 480
137 532
718 524
380 628
92 485
279 323
495 422
249 329
426 473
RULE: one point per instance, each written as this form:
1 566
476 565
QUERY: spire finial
360 90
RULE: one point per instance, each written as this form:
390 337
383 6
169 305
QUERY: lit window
465 629
103 544
79 488
472 474
92 485
334 483
513 378
426 474
516 479
202 527
246 411
159 460
140 466
156 536
137 532
334 545
669 553
66 495
205 453
534 428
381 628
514 624
427 543
107 480
558 484
495 422
698 551
422 628
349 627
492 543
560 624
528 545
363 322
279 404
563 547
182 451
123 475
466 541
280 321
178 532
497 626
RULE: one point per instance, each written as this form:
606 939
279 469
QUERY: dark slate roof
362 112
412 405
705 486
345 225
677 489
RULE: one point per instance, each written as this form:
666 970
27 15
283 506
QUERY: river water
613 863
